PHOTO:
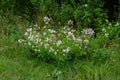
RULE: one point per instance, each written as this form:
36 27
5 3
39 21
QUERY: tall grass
15 64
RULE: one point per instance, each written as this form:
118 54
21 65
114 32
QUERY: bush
109 31
83 13
57 44
87 16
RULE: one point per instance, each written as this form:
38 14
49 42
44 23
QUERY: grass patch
15 64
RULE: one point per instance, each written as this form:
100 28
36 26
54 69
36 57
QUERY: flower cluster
46 19
106 34
110 30
85 5
70 22
55 42
88 31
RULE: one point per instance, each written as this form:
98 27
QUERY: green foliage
58 52
109 31
7 4
88 16
57 45
63 14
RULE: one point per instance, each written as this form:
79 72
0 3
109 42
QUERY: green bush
60 44
88 16
84 13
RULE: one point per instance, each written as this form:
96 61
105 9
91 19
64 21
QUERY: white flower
73 37
117 24
55 52
46 20
103 30
86 41
29 30
41 43
29 43
64 28
78 40
30 37
51 49
84 32
36 36
51 31
70 33
44 33
21 41
73 30
26 34
70 22
63 31
52 35
35 50
85 5
107 20
63 54
66 50
59 43
107 35
37 40
44 27
47 40
46 45
36 25
34 32
38 50
88 31
33 46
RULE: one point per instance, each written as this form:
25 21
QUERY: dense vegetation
59 40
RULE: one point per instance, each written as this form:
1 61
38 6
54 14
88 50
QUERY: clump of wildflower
36 25
46 19
88 31
29 30
51 30
117 24
85 5
21 40
70 22
107 35
66 50
103 30
106 20
57 43
106 32
86 41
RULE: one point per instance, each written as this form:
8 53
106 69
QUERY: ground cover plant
59 40
62 44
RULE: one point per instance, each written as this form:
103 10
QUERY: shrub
109 31
88 16
56 44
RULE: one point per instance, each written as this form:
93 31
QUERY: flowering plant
55 44
111 31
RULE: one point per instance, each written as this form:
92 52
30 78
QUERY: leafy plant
56 44
88 16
